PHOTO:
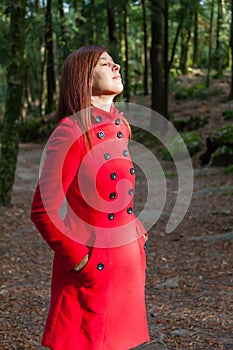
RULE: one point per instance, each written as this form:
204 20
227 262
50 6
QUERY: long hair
75 86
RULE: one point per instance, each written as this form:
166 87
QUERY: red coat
103 306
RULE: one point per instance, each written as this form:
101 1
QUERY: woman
98 280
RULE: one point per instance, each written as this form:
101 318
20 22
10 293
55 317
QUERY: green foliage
86 22
228 114
195 91
198 90
224 134
144 137
223 150
4 34
34 130
228 169
176 148
15 73
3 86
192 141
223 156
182 94
193 123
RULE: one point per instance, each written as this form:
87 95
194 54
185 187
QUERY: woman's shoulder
66 134
68 125
69 121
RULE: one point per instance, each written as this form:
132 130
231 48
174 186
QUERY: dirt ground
189 290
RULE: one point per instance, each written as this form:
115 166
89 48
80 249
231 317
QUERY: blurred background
167 49
176 58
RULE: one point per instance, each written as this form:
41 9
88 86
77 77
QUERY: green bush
223 156
195 91
228 115
223 150
224 134
198 90
182 94
192 141
32 130
193 123
228 169
176 148
180 124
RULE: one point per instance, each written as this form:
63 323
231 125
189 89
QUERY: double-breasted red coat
102 307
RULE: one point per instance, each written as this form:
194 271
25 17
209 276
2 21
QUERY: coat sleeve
62 159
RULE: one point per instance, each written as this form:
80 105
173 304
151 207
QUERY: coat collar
99 114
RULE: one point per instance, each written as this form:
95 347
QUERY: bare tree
13 104
231 44
145 73
157 56
51 84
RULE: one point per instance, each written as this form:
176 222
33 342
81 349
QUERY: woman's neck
103 102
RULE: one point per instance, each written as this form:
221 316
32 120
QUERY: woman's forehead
105 56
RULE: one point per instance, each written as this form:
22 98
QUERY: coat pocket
91 271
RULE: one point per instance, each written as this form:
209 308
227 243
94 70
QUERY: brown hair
75 85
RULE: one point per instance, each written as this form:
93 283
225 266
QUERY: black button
111 216
99 119
113 176
107 156
125 153
129 210
132 171
100 266
100 134
112 195
131 192
117 121
119 134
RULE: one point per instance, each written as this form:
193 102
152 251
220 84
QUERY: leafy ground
189 289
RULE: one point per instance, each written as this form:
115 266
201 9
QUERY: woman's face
106 77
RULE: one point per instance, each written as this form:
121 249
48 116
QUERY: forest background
176 58
155 42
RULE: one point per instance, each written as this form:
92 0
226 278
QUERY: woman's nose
116 67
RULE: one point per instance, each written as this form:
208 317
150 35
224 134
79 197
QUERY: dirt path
189 275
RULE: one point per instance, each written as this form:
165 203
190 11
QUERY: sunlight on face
106 77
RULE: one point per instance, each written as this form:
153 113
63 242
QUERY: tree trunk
93 21
165 57
50 75
78 9
187 12
39 78
126 63
185 51
210 44
157 57
173 51
112 31
195 34
63 39
145 73
220 44
13 104
231 43
37 5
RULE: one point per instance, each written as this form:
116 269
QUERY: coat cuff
70 252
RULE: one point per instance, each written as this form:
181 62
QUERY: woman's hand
82 264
